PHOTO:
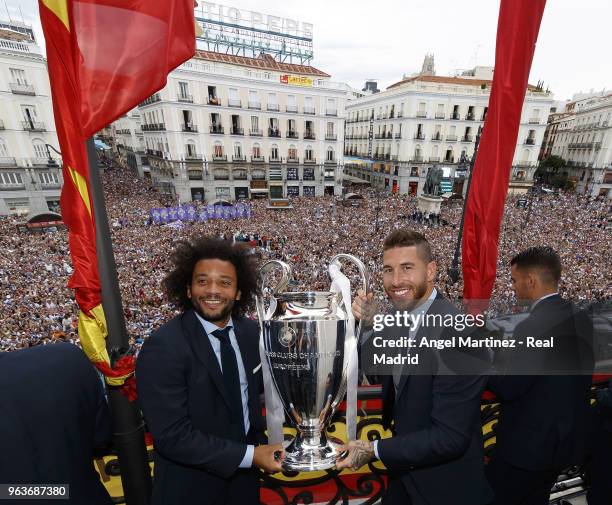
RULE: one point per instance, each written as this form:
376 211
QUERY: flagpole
128 425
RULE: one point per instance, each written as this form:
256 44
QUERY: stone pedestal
429 204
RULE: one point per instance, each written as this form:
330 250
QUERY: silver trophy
304 337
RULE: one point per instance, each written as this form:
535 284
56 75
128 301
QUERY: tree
549 168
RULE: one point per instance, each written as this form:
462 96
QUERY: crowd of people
37 307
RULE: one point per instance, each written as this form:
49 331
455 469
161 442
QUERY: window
292 153
330 154
11 179
183 90
19 77
254 124
3 149
237 151
330 129
40 151
218 150
256 151
190 150
308 153
274 152
48 178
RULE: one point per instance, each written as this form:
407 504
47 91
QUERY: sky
355 40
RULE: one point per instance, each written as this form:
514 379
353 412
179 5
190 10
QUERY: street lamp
51 163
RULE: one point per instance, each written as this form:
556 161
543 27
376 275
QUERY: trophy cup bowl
304 337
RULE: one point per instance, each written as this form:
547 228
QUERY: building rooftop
460 81
16 36
263 62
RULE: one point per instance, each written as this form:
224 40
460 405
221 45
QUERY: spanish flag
104 57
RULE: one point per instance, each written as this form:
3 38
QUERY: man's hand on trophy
364 308
359 452
269 457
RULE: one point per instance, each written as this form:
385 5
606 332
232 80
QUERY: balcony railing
189 128
309 135
257 159
255 105
292 135
421 113
185 98
153 127
233 102
331 136
255 133
219 157
154 152
400 114
272 107
434 159
530 141
33 126
331 112
416 159
419 136
332 161
436 136
238 157
291 108
449 160
217 129
466 138
273 132
451 138
193 157
440 115
214 100
152 99
274 159
534 120
309 110
310 160
6 161
293 160
469 116
236 131
397 136
22 89
455 116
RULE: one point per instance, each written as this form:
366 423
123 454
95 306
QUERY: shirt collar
210 327
542 298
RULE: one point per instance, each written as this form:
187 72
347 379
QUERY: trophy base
309 454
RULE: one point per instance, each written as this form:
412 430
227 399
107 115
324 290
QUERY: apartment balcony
469 117
233 102
440 115
6 161
22 89
400 114
421 114
293 160
236 131
255 105
152 99
275 159
455 116
309 110
274 133
2 125
153 127
154 152
379 136
291 108
534 120
12 187
310 161
449 160
185 98
419 136
397 136
434 159
331 136
219 157
309 135
33 126
239 157
257 159
395 158
391 115
214 100
331 112
189 128
436 137
217 129
530 141
292 135
193 157
451 138
330 162
416 159
273 107
255 133
466 138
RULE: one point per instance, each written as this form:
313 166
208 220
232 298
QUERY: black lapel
198 340
249 351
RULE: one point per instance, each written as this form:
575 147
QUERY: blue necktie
231 377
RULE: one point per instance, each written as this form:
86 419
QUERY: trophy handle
365 278
269 291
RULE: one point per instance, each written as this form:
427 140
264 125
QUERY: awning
101 145
259 190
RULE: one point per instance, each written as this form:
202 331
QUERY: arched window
256 150
308 155
40 151
330 154
190 149
292 152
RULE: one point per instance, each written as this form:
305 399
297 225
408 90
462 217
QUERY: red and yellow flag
104 57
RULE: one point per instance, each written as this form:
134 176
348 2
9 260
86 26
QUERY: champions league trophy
309 349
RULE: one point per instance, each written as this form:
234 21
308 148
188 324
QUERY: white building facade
231 127
582 136
28 186
395 136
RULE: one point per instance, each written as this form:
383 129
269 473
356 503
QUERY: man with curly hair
199 380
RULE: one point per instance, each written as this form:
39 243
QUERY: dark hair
408 238
186 256
542 258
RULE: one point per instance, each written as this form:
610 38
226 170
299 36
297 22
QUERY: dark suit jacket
184 402
437 447
53 414
544 418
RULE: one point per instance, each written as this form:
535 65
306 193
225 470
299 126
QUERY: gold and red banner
296 80
104 57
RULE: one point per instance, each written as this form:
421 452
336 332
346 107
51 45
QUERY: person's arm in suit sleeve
162 390
455 413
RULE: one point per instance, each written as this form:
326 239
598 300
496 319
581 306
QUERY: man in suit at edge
544 418
53 416
435 456
199 379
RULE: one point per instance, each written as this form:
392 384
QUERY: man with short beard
435 456
199 379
